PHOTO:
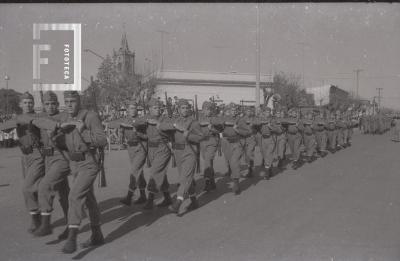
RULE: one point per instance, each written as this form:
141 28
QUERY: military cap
71 94
26 95
50 96
183 102
155 102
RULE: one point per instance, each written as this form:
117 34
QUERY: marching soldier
188 133
56 166
281 138
211 126
235 131
267 141
81 140
341 130
332 133
295 128
250 141
319 127
33 167
159 153
134 129
309 137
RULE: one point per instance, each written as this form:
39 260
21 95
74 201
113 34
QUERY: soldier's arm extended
242 128
94 133
195 134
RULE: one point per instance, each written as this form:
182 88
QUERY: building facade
228 87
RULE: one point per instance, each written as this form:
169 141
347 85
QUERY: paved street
343 207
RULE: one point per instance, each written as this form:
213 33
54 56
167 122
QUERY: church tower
124 59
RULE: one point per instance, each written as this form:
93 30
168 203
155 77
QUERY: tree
13 101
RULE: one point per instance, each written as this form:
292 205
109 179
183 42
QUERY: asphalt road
343 207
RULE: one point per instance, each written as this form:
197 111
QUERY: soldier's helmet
50 96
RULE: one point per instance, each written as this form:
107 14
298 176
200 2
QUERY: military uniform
81 144
32 160
332 133
159 153
268 142
57 170
281 139
294 135
341 132
187 137
211 127
134 130
234 133
250 141
309 139
319 127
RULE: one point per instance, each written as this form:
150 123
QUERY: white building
229 87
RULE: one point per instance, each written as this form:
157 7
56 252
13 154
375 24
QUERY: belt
266 136
154 144
48 151
133 143
178 146
232 140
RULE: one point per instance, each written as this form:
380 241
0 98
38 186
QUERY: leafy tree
13 101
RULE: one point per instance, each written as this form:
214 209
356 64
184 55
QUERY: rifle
198 170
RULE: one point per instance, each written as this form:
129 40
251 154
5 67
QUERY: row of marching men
56 144
154 139
375 124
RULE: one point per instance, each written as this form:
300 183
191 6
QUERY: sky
325 42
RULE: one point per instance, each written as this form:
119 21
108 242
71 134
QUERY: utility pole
258 60
162 48
379 97
357 71
303 45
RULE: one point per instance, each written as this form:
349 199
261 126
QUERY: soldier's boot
280 163
45 226
150 202
71 243
236 188
296 164
35 222
250 169
209 185
64 234
127 200
142 198
194 204
228 173
96 239
166 201
174 208
269 173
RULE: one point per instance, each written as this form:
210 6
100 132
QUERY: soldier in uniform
310 142
187 135
332 133
234 133
268 141
81 140
250 141
341 130
56 166
33 167
294 134
134 129
158 132
319 127
281 138
211 126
